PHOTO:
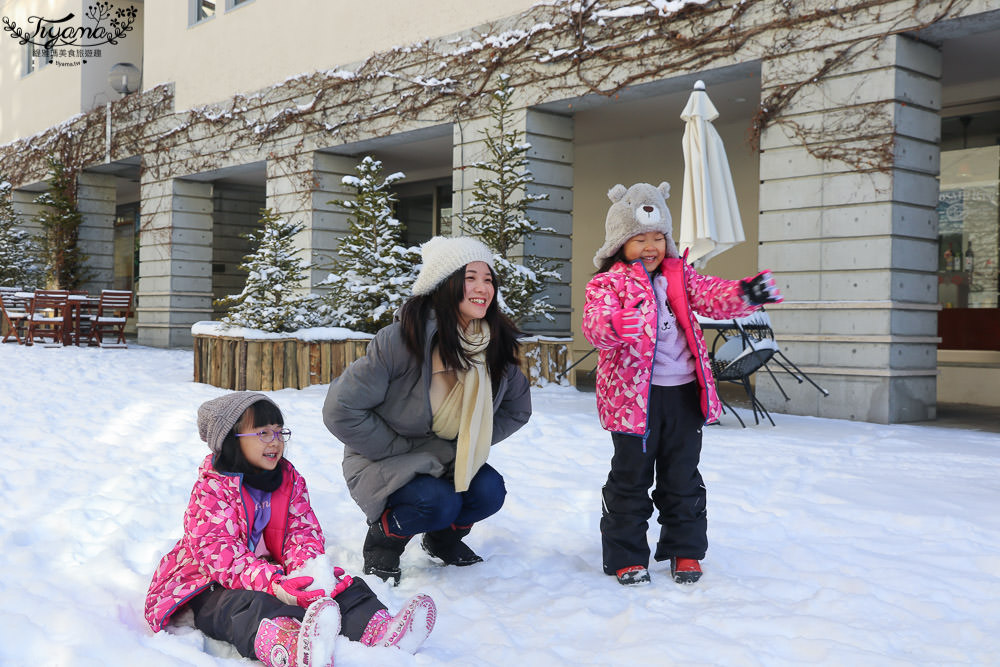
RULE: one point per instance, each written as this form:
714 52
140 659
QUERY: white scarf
475 431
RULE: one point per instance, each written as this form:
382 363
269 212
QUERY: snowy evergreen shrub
372 276
60 221
19 253
498 213
269 301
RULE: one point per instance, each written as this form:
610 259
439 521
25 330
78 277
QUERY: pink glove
761 289
628 321
343 581
294 591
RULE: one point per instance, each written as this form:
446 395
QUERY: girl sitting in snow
251 564
654 385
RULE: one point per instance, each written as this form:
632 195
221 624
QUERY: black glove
761 289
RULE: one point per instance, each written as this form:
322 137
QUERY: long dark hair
606 265
231 458
443 302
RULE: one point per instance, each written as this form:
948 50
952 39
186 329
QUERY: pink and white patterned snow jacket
625 366
217 525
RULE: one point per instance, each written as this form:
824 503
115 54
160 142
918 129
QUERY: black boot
382 550
447 545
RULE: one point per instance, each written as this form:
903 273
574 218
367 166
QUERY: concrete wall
268 40
49 95
175 260
856 250
96 201
66 87
94 87
550 161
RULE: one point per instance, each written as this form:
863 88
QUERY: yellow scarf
475 420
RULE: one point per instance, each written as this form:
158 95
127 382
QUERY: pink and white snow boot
407 630
285 642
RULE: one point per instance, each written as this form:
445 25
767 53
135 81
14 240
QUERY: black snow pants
233 615
673 449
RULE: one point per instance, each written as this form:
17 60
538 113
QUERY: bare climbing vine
561 50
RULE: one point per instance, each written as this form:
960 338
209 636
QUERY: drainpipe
107 133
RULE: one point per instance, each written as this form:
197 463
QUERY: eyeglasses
267 435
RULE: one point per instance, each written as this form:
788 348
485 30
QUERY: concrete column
550 161
27 212
854 248
300 188
175 261
96 200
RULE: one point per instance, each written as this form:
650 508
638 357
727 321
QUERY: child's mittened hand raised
343 581
293 591
628 321
761 289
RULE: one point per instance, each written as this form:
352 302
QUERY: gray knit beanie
219 415
444 255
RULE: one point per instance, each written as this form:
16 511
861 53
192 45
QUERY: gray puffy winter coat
380 409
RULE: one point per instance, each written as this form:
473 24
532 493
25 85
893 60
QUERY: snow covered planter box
545 360
246 359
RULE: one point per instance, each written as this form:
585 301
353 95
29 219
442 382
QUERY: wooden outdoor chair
15 313
47 317
113 310
83 309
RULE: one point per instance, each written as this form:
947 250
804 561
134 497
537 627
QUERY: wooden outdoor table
72 319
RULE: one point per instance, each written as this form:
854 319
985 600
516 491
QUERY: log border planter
238 363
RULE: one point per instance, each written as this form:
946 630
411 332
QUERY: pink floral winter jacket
625 366
216 535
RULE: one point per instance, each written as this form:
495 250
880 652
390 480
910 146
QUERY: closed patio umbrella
710 215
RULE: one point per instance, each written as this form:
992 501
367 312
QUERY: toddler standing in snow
655 389
251 563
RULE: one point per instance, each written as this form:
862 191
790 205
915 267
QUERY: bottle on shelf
949 258
969 259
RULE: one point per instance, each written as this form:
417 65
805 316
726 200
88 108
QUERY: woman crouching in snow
251 563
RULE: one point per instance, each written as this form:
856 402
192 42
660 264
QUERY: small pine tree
373 274
60 221
19 253
498 213
268 301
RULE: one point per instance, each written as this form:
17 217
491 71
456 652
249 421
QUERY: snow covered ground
831 542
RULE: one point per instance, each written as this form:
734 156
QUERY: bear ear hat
617 192
663 187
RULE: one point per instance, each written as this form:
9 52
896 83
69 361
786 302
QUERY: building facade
862 139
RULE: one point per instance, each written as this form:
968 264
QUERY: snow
213 328
831 542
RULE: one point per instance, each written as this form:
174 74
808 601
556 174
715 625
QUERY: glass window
969 240
126 247
29 59
416 212
425 210
202 10
35 58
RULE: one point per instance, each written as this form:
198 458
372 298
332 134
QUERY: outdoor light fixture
124 78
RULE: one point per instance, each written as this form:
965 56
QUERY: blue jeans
428 503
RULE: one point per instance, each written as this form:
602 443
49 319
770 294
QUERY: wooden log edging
239 364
